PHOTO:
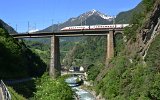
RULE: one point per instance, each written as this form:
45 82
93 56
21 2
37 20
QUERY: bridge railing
6 94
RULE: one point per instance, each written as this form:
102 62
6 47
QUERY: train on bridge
94 27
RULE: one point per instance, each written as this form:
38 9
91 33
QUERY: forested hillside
130 76
133 74
41 49
126 16
15 59
8 28
86 52
18 62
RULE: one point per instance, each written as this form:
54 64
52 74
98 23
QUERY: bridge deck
64 33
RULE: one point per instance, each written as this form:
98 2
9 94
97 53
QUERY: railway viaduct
55 66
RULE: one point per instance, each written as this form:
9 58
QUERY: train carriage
94 27
72 28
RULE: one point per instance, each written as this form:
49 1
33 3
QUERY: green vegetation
124 80
98 53
93 71
49 89
15 59
41 49
153 57
133 81
129 81
18 62
136 23
136 79
26 89
65 47
126 16
86 52
148 5
43 88
119 43
90 53
137 19
14 95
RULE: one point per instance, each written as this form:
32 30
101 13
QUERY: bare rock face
147 33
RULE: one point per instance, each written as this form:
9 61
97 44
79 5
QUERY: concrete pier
110 45
55 67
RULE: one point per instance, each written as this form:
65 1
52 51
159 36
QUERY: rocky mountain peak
89 13
92 17
96 13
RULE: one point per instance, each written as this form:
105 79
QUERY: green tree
51 89
148 4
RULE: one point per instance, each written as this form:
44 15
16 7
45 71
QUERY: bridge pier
110 45
55 67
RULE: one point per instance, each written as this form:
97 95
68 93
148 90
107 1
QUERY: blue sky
41 13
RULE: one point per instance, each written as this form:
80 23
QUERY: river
81 94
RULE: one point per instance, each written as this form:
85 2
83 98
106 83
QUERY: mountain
126 16
9 29
85 48
89 18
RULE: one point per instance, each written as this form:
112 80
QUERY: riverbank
80 93
89 87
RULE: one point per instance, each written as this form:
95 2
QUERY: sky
43 13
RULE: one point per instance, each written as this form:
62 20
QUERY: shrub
49 89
